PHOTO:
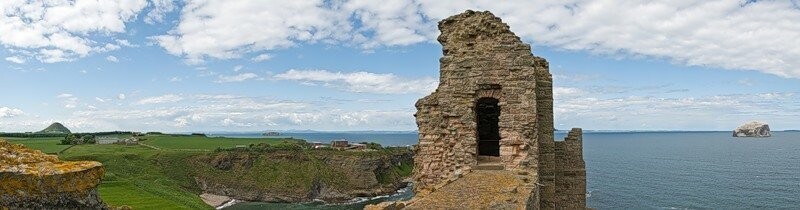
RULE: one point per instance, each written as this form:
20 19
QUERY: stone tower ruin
494 106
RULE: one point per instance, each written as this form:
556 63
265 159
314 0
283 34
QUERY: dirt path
150 146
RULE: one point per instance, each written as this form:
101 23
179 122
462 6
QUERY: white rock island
752 129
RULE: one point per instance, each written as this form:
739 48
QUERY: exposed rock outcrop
31 179
215 200
752 129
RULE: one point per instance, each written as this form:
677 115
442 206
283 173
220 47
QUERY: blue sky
360 65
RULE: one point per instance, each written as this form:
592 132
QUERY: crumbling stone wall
570 174
483 58
546 166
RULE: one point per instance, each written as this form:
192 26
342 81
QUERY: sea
646 170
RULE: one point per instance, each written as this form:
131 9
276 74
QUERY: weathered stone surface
32 179
392 205
484 62
570 173
215 200
752 129
495 189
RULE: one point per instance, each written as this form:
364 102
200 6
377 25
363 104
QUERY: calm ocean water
658 170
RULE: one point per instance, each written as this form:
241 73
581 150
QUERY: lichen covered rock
752 129
32 179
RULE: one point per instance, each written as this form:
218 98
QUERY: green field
162 175
185 142
50 145
142 177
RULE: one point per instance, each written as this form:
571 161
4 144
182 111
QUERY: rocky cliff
33 180
752 129
302 176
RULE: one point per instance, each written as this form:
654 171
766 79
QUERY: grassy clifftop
302 175
170 171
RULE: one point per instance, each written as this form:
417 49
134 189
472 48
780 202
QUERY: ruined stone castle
494 107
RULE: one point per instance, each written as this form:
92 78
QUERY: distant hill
55 128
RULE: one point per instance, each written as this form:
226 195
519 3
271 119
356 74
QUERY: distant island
271 133
752 129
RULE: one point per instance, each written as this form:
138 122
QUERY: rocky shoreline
218 201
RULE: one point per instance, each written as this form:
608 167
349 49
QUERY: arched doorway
487 112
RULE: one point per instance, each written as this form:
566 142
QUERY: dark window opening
488 113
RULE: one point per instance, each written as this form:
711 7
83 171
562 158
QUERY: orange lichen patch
16 158
26 171
30 179
16 154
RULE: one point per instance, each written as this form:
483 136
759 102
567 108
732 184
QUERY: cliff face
752 129
301 176
32 179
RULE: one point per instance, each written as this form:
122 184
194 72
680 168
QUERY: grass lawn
141 177
205 143
46 145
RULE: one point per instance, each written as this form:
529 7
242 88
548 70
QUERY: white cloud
361 81
61 30
169 98
393 22
232 112
562 92
121 96
246 26
584 108
175 79
112 59
262 57
98 99
236 78
16 59
64 95
69 100
108 48
10 112
757 35
125 43
719 33
159 10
